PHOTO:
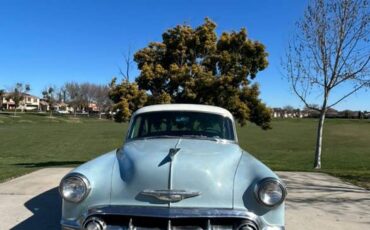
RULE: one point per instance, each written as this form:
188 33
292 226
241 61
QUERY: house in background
288 113
92 107
349 114
332 113
44 106
62 107
312 113
28 103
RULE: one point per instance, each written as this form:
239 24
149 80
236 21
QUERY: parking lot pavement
315 202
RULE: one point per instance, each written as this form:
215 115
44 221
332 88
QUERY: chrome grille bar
130 225
170 213
169 226
209 226
136 218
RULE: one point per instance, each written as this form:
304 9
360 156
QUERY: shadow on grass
49 164
46 212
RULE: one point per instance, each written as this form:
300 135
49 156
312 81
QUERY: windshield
181 124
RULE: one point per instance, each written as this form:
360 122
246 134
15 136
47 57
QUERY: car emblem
169 195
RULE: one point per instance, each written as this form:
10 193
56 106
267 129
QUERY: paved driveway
318 201
315 201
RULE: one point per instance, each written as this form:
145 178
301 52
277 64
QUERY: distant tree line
307 112
80 95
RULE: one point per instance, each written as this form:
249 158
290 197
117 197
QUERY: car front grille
150 223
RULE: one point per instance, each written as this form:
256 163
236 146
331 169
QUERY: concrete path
315 202
32 202
319 201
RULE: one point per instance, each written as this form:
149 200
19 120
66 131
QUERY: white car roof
186 107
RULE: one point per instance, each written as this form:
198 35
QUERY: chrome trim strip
218 140
171 155
130 225
164 212
68 228
274 228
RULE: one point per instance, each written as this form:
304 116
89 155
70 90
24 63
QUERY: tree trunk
320 128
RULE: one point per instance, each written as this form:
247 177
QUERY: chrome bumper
166 213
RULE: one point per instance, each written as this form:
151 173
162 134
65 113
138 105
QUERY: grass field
30 142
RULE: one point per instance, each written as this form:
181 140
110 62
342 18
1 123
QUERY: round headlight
270 192
74 187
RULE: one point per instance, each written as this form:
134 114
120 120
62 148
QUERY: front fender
250 171
99 173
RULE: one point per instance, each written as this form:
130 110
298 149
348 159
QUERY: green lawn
290 146
30 142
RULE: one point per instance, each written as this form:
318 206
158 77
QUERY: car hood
205 167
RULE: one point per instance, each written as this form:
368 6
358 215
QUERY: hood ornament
173 152
172 195
170 156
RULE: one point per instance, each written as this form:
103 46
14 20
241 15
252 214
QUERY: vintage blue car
180 168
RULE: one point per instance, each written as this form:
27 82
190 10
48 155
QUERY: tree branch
351 75
128 62
350 93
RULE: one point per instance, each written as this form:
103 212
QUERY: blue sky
49 42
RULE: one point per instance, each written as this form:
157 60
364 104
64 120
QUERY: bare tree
288 108
49 96
128 62
73 95
1 98
330 50
81 95
102 99
61 94
87 94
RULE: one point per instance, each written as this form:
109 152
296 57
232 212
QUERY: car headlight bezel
270 181
82 180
